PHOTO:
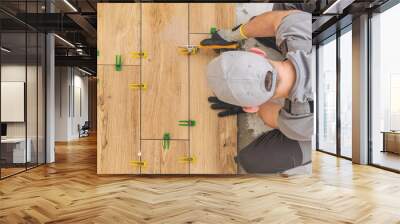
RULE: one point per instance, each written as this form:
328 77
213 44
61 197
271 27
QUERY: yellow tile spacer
187 159
137 163
188 49
142 86
139 55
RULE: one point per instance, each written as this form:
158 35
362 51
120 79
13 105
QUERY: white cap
242 78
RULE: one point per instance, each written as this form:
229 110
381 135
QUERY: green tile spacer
213 30
187 123
98 53
118 63
165 141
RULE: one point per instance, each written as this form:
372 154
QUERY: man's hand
235 34
223 38
229 109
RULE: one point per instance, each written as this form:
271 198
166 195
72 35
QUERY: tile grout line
188 39
159 139
140 90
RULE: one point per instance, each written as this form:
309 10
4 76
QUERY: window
22 78
385 89
327 97
346 75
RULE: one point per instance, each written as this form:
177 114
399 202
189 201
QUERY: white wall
80 85
15 73
62 82
33 126
70 83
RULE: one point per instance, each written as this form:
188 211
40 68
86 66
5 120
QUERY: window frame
381 9
27 29
334 37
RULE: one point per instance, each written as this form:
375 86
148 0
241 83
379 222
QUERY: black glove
216 41
229 109
223 39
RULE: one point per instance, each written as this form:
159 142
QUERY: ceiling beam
320 22
337 7
83 61
83 23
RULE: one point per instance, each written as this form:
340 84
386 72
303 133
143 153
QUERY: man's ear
251 109
258 51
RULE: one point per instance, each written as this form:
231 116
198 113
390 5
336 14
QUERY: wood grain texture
150 154
165 71
166 101
203 16
160 161
171 159
8 171
118 120
118 32
213 140
70 191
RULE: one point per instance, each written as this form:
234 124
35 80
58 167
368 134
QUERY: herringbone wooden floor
69 191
